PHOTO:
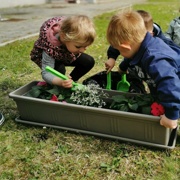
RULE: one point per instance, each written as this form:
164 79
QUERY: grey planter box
125 126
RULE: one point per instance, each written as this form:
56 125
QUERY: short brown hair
148 20
126 26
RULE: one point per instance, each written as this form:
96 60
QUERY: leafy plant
89 95
94 96
47 91
137 103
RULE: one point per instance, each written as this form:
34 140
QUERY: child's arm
168 123
123 66
64 83
165 75
112 54
109 64
50 78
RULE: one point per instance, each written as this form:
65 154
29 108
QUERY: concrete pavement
23 22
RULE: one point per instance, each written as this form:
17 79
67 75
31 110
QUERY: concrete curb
18 39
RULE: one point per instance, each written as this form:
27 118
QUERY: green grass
30 152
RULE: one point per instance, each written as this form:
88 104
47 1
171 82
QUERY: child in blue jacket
154 61
153 28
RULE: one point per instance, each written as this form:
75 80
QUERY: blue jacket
158 33
159 66
114 53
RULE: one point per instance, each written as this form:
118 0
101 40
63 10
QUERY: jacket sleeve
166 76
112 53
123 66
169 33
158 33
47 61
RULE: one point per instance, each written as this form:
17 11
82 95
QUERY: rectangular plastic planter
132 127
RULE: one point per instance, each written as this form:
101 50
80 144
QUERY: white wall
13 3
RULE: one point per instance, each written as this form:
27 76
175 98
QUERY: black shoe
1 119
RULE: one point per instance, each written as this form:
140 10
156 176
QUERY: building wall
13 3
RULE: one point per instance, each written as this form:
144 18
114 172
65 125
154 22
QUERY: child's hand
109 64
67 83
168 123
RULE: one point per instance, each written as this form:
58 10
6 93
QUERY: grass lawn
30 152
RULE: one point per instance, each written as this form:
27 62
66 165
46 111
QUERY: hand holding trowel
62 76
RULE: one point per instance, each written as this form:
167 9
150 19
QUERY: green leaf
61 97
124 107
133 107
103 165
143 103
120 98
132 100
146 110
112 105
34 93
55 90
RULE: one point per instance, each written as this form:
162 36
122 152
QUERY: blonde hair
79 29
148 20
126 26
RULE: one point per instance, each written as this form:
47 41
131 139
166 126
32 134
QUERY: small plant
139 103
49 92
89 95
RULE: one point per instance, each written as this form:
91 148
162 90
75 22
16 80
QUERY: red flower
54 98
42 83
157 109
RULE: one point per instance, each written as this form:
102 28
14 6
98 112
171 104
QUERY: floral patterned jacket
49 43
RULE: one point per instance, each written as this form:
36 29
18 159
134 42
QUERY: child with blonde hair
153 28
154 61
62 42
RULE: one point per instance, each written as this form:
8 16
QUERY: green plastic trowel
62 76
108 85
123 85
